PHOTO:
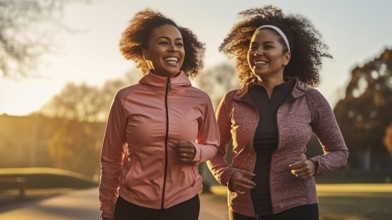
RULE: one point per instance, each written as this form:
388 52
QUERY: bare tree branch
26 27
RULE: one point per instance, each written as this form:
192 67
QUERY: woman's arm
208 135
111 157
326 128
218 165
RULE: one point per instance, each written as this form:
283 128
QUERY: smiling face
165 53
266 58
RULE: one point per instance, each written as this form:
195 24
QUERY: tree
85 102
74 144
76 102
25 27
218 80
81 111
365 112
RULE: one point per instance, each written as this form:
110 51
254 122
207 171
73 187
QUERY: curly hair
135 38
306 45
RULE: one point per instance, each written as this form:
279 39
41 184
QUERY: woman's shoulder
198 92
123 93
129 88
313 96
233 92
314 93
307 89
316 99
229 95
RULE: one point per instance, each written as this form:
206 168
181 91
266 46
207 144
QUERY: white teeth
259 62
171 59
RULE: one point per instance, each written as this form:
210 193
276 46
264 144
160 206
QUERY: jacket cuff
226 176
197 156
317 172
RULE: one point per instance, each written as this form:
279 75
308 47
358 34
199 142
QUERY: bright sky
356 32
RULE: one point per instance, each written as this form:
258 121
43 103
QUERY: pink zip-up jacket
151 117
307 111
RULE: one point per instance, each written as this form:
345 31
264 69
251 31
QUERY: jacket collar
159 83
299 89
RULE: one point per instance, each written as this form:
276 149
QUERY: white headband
279 31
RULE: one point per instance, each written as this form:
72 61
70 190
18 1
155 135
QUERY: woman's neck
269 84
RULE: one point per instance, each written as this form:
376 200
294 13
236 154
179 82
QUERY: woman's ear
287 58
147 59
145 54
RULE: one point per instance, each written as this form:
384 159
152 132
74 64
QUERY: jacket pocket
288 188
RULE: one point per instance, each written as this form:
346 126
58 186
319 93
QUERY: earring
145 54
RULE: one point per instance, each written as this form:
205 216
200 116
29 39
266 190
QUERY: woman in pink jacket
272 117
158 130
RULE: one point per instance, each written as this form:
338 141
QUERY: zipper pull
168 84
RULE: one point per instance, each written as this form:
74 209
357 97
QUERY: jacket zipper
168 88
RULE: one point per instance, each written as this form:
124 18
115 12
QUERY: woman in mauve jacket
158 130
272 117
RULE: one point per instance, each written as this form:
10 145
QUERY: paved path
83 205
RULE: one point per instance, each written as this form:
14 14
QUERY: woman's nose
258 53
172 47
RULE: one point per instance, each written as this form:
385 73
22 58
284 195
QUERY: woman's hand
185 151
303 169
241 182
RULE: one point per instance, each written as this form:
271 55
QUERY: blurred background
60 67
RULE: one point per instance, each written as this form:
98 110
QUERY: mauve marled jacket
307 111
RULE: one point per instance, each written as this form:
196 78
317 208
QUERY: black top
266 140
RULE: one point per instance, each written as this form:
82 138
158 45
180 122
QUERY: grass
348 201
355 176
